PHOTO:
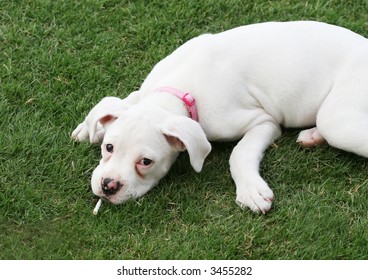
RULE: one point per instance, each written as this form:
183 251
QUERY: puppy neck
168 102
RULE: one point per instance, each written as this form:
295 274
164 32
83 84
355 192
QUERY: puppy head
138 149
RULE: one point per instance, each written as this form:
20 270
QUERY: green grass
59 58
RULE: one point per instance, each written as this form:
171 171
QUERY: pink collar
187 98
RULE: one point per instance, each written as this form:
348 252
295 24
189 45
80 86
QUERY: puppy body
247 82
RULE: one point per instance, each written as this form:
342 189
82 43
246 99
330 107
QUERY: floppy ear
105 112
183 133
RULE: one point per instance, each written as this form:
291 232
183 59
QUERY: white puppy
246 82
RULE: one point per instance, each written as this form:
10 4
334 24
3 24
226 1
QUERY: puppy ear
105 113
183 133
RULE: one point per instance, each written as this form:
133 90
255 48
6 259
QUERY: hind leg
343 121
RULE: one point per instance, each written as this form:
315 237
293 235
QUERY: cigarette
97 207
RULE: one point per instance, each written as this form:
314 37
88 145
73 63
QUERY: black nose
110 186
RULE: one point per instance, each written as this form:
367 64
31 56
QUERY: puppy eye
146 161
109 148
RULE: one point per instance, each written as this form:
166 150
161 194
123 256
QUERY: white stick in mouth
97 207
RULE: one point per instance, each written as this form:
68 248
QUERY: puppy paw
81 133
310 138
258 198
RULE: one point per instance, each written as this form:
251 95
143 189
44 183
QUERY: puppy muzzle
110 186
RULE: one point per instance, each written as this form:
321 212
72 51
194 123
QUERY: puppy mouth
108 198
104 199
113 199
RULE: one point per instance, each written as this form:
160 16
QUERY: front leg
252 191
91 129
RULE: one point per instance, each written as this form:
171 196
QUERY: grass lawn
59 58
